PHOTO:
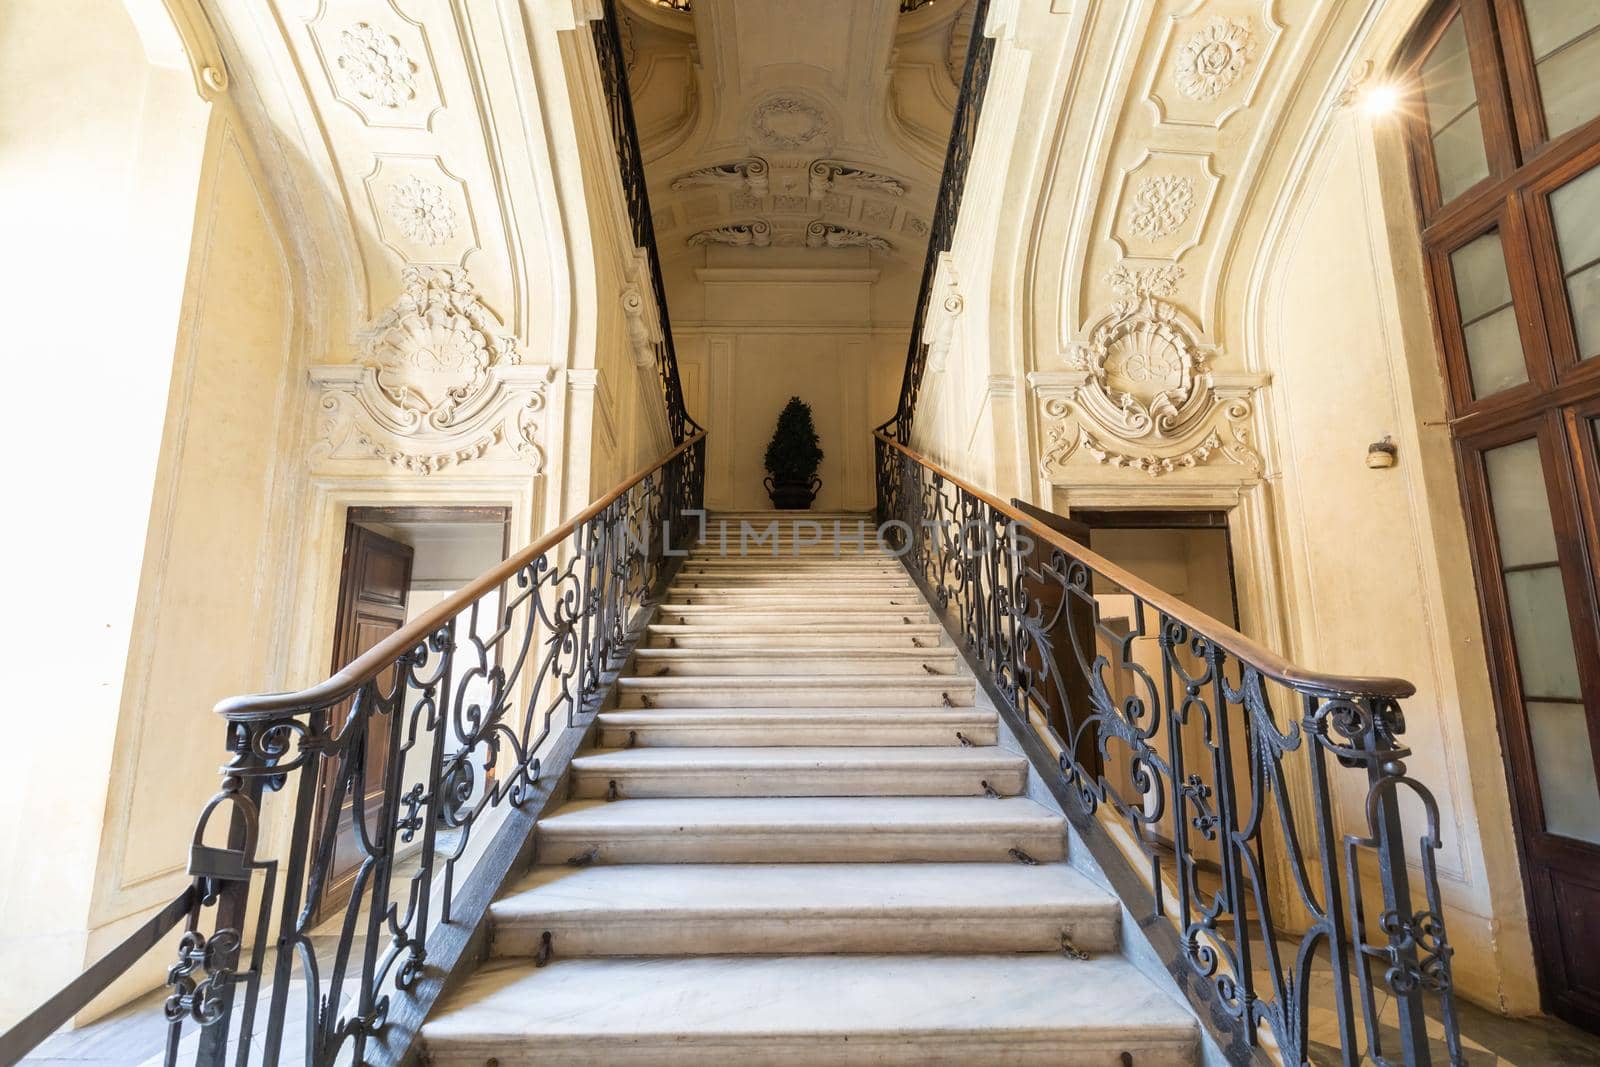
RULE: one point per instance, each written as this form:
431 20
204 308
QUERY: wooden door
1067 707
372 605
1505 140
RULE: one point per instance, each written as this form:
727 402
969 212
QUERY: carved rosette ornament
1161 204
377 65
436 385
1141 393
1214 58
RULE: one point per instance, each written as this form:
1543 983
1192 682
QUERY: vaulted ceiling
768 126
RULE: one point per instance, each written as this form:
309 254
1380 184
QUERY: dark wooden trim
470 513
1145 519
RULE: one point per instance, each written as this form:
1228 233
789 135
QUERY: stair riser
647 667
999 1049
724 616
776 642
933 844
790 587
820 782
837 601
775 734
607 933
799 695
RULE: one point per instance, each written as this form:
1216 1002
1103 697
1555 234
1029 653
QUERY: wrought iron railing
363 825
1204 770
946 210
630 162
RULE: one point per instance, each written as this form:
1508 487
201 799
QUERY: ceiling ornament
435 384
756 234
422 211
826 235
939 329
377 65
1141 391
790 122
1161 204
1214 58
749 174
828 175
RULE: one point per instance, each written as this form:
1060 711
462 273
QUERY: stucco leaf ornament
432 350
1214 58
422 212
377 65
1161 204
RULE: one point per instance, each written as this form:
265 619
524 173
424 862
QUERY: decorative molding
436 385
939 328
1161 204
1140 393
376 66
790 122
422 212
644 330
750 174
826 235
756 234
829 174
1214 58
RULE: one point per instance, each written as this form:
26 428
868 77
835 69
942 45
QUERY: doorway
1189 555
398 563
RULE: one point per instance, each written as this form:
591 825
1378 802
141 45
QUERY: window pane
1566 52
1574 208
1543 632
1453 123
1521 505
1488 321
1565 764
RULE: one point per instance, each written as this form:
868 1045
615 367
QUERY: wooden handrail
374 660
1268 662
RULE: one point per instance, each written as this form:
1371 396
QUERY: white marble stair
834 771
751 727
793 840
763 909
1017 1010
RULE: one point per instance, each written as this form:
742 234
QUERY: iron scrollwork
383 790
1211 765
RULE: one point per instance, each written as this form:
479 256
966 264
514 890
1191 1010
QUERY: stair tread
800 889
795 757
895 998
831 681
801 652
734 814
667 716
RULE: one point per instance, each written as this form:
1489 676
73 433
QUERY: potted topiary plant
793 456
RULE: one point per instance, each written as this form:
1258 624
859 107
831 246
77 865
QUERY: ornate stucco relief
378 66
748 174
827 175
1161 205
1211 59
422 210
826 235
435 385
757 233
1140 391
791 122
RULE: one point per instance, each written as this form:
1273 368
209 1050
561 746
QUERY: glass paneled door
1505 137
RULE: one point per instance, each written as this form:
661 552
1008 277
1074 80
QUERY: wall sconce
1382 454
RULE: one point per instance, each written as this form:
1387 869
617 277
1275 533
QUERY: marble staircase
795 840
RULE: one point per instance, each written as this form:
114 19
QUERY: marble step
847 562
737 909
801 585
776 660
836 598
811 1011
727 615
800 830
771 727
797 691
798 771
830 635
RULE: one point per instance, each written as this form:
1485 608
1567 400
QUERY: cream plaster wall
100 152
1302 286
